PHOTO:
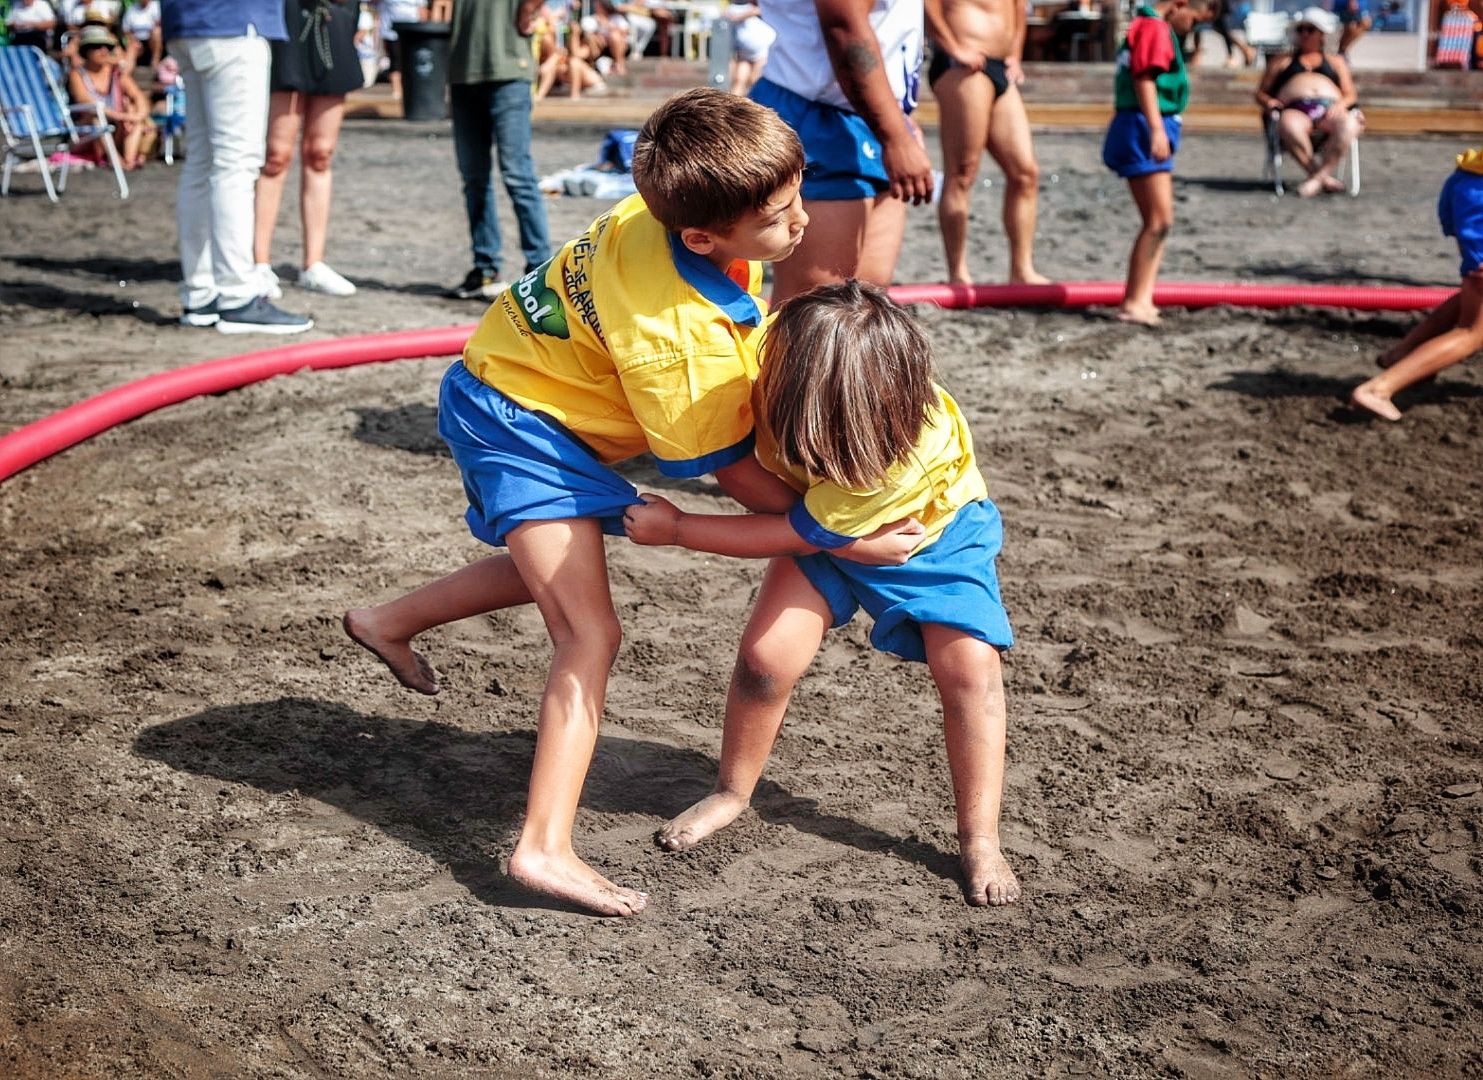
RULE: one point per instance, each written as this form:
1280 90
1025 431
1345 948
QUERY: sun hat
95 35
1326 22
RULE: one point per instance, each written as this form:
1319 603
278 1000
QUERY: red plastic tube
1074 294
26 446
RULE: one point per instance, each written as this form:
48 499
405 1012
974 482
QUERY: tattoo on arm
856 61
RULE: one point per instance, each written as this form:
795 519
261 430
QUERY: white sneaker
267 281
321 278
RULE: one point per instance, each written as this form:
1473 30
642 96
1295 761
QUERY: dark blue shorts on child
520 465
1126 149
952 582
1460 209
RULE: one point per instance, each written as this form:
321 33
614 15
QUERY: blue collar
707 279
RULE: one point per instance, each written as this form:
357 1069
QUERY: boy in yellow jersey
638 336
848 412
1454 330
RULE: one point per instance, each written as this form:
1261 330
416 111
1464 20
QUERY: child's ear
700 241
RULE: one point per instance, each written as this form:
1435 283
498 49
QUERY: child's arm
759 490
1148 104
658 522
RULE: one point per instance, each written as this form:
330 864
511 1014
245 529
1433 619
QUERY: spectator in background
312 72
222 49
31 22
142 35
489 74
1311 95
1354 16
99 78
393 12
641 26
562 55
750 40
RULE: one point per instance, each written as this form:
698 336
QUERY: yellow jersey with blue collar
931 483
633 343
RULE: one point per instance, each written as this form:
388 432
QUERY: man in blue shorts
846 83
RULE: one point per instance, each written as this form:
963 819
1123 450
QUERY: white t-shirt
395 11
28 18
141 19
799 62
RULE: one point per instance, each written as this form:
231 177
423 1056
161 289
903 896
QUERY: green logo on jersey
540 304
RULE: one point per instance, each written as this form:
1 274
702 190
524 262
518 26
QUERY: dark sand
1246 689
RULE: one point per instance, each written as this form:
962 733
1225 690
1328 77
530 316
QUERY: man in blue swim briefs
843 75
975 76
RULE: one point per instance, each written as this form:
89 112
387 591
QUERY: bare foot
1365 397
715 811
959 279
1310 187
1032 278
566 877
408 665
1143 314
1333 185
987 878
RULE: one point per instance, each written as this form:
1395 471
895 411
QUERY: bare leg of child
1440 352
1154 195
388 629
967 673
785 631
563 564
1440 319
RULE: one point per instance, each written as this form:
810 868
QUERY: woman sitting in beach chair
1309 96
100 78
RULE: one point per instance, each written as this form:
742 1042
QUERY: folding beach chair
1455 36
1272 168
35 120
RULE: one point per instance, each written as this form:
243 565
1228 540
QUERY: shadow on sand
432 786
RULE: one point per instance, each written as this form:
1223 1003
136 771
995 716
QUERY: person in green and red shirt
1151 90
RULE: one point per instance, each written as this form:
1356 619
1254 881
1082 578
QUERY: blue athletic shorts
951 583
1126 149
842 156
1461 211
520 465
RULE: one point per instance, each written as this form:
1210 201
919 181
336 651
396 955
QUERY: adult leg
1442 351
1341 131
193 197
563 564
782 636
387 629
965 99
1153 194
968 676
1013 149
285 120
323 114
829 250
235 86
518 171
472 105
1296 132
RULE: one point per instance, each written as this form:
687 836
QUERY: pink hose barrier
1075 294
26 446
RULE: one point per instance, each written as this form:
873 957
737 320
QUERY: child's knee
276 162
759 679
1158 227
318 155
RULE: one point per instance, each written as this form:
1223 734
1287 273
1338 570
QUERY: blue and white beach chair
36 121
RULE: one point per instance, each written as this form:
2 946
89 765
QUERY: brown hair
846 383
705 157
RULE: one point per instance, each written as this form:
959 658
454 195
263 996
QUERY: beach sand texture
1244 753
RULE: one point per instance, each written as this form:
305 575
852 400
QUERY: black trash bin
424 68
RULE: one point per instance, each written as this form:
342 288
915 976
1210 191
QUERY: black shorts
993 68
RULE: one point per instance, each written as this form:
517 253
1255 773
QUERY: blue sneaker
260 317
205 315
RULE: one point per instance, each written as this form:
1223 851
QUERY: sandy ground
1244 707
